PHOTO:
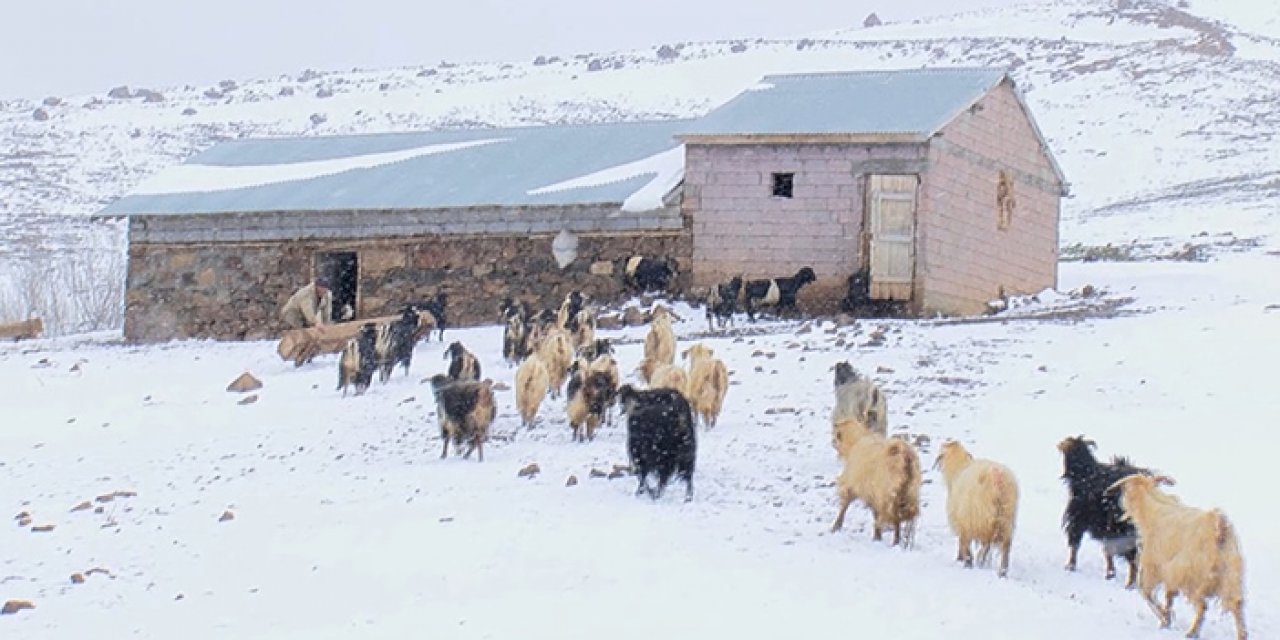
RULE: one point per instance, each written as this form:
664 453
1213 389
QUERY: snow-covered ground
348 525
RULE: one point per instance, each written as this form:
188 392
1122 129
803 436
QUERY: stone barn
935 184
218 244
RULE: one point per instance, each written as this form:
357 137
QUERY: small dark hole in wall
783 184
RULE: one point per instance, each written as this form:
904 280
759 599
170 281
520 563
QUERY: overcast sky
64 47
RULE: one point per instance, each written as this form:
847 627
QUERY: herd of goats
1188 551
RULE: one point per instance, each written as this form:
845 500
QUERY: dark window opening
783 184
342 270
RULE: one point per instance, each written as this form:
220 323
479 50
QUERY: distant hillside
1146 105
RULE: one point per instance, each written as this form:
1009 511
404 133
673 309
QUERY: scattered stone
530 470
42 528
120 93
884 369
99 570
178 597
324 92
213 94
24 521
805 328
83 506
1042 368
249 399
609 322
77 578
21 515
246 382
40 114
319 119
601 268
759 369
596 473
625 468
226 515
99 510
148 95
426 73
617 473
501 386
667 52
776 410
572 481
13 606
1088 291
285 92
757 353
872 20
738 48
189 111
51 101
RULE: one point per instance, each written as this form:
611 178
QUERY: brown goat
885 474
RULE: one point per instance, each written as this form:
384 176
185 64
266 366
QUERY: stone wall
233 290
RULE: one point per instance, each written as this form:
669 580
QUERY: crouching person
309 306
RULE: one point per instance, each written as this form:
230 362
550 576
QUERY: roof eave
801 138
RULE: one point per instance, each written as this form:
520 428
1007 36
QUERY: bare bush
73 290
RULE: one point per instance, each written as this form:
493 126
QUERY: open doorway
342 268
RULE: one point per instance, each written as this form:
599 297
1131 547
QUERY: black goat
437 308
1094 510
643 273
465 410
722 302
660 437
463 365
567 316
779 293
359 360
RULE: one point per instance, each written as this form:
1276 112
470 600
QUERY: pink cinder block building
934 185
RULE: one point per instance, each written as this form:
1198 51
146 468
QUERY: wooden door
891 207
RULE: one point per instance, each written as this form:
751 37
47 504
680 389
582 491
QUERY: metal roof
583 164
910 101
401 171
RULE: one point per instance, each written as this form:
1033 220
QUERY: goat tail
904 509
1221 529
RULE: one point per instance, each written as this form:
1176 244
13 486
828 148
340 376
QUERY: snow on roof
909 101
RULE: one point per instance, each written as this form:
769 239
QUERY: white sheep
1188 550
982 504
884 474
532 383
708 383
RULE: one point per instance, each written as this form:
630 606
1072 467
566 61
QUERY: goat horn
1117 483
1165 480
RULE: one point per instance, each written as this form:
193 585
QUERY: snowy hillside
1148 107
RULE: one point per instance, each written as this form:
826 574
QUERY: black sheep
779 293
643 273
660 437
722 302
1094 510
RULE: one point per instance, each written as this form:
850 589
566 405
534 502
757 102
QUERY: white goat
982 504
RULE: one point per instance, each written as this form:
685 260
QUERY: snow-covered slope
346 524
1149 107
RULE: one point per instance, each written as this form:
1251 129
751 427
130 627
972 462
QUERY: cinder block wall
963 258
738 226
233 290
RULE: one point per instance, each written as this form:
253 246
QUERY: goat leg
1111 565
1132 556
1072 550
844 506
479 447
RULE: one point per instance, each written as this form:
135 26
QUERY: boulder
245 382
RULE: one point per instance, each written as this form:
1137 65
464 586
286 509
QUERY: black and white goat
722 302
359 360
570 311
1093 509
396 340
779 293
660 437
643 273
515 335
463 365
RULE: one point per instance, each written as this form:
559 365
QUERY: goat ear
1092 444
